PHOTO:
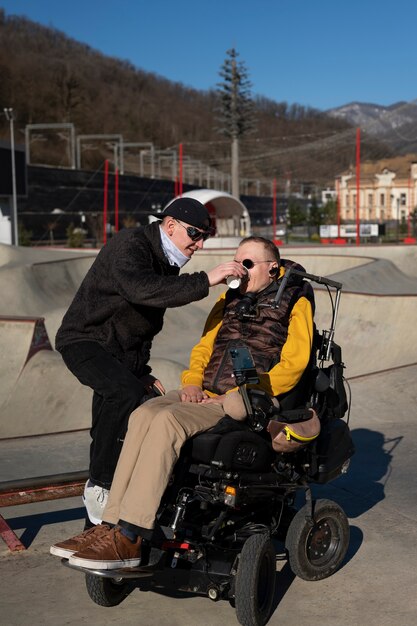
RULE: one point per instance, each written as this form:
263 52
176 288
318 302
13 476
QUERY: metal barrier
39 489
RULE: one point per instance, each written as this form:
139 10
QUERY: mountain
49 78
395 125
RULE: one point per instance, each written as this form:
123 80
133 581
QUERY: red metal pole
116 200
180 176
105 201
358 183
9 537
274 209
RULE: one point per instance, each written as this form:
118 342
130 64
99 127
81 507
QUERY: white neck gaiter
172 253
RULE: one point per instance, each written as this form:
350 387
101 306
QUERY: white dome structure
230 216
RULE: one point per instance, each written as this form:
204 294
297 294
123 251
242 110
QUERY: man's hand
214 399
150 381
159 386
219 274
192 393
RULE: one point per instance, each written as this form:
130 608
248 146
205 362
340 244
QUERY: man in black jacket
106 335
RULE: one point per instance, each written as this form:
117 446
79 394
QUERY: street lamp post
398 220
8 112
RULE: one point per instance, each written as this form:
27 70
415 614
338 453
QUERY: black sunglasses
249 264
195 234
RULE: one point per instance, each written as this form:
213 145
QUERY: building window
347 200
403 199
382 199
370 200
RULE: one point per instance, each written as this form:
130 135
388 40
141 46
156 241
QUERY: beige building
387 191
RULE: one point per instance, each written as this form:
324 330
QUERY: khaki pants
157 430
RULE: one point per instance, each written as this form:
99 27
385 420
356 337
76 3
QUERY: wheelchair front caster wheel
315 551
107 591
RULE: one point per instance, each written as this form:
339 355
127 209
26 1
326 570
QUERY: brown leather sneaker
112 550
66 548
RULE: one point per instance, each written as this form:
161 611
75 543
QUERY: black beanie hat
190 211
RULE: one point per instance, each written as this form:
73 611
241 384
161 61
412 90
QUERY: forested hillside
47 77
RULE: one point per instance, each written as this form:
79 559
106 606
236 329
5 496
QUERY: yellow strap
290 433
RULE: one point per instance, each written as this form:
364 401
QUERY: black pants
117 392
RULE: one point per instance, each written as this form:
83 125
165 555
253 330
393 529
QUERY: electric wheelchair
229 512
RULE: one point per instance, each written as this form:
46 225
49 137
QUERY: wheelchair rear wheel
107 591
315 551
255 581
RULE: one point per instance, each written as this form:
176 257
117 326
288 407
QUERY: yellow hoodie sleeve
202 351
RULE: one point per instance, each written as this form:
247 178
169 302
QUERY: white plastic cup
233 282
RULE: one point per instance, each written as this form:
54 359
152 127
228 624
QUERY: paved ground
374 586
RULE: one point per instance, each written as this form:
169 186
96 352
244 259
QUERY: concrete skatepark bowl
44 430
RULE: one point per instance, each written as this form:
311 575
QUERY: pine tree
236 111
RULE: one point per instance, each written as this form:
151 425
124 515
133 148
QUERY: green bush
75 237
25 235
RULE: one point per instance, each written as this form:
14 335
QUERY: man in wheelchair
280 340
205 484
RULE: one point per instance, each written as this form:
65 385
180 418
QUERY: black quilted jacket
122 299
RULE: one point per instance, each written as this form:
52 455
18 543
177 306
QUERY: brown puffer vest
264 333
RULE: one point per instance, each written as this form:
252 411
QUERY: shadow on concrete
357 491
355 542
33 523
168 580
370 468
283 582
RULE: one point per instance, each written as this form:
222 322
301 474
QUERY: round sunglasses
249 264
195 234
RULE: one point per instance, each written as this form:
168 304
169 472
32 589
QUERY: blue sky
319 53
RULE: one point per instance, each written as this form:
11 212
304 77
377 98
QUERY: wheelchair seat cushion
235 450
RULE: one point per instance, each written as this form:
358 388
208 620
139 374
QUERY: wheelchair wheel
107 591
255 581
316 551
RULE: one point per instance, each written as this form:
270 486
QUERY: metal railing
37 489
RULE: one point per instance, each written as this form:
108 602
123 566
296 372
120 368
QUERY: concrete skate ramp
376 332
377 277
376 325
403 257
46 398
40 282
20 338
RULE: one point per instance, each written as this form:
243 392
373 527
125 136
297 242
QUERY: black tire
107 591
255 581
315 552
